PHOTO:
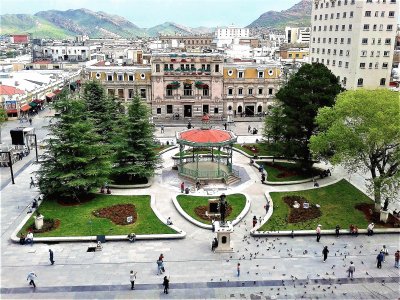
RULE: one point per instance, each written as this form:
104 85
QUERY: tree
75 161
103 109
135 144
362 132
312 87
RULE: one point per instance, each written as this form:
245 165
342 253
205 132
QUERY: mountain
296 16
64 24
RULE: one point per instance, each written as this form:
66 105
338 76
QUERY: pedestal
38 222
384 216
223 236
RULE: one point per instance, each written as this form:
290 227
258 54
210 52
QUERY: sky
148 13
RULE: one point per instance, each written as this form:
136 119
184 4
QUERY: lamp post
34 135
9 164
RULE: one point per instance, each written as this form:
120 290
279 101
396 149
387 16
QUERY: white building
355 39
297 35
231 32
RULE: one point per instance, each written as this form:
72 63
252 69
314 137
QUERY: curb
134 186
239 218
180 235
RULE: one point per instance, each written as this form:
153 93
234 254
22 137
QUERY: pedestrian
51 256
108 191
337 229
22 239
132 278
396 259
31 278
238 269
379 260
385 252
325 252
29 238
182 187
159 267
267 207
254 221
166 284
30 121
318 231
169 221
249 129
32 183
351 270
162 128
262 178
225 125
370 229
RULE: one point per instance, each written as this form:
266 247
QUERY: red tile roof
206 136
10 90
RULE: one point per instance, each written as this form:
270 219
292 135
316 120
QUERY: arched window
240 109
229 107
223 240
206 90
259 109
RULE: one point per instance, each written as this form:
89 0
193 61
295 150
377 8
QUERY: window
325 28
327 62
169 92
378 53
157 67
120 93
120 77
270 91
158 110
329 40
169 109
206 108
391 14
377 14
344 15
372 54
323 40
389 28
385 65
260 91
206 91
343 27
383 14
374 28
240 74
362 65
130 93
319 28
387 41
366 27
329 51
349 41
315 17
376 65
337 15
142 93
348 53
216 68
351 14
230 91
336 27
360 82
332 15
319 40
240 91
340 63
380 27
350 27
250 91
363 53
216 110
369 1
330 27
342 40
165 67
260 74
341 53
323 50
335 41
334 51
346 64
333 62
111 92
382 81
326 16
364 41
368 13
109 77
344 80
130 77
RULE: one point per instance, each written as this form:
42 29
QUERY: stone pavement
271 268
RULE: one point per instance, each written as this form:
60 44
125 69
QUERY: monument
223 228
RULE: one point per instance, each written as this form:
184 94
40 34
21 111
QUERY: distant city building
19 38
231 32
299 35
355 39
187 41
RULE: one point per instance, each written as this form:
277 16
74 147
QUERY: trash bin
187 190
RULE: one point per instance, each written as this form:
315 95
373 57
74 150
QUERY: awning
33 104
12 111
50 95
25 107
56 92
38 101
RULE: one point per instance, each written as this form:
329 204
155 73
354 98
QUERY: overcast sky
147 13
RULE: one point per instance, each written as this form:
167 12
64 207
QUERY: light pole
9 164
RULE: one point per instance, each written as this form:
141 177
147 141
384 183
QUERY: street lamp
9 164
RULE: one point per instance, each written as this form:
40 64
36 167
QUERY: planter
384 216
38 222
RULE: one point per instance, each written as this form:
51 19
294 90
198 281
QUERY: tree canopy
292 123
362 132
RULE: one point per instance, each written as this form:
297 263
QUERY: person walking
32 183
182 187
238 269
31 278
249 129
162 128
225 126
132 278
379 260
166 284
325 252
30 121
337 229
267 207
318 231
254 221
351 270
396 259
262 178
159 267
51 256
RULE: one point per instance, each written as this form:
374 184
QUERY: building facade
189 42
297 35
355 40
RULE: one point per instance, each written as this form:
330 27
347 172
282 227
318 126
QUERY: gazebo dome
207 137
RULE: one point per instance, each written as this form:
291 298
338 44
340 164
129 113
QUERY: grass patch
286 171
189 203
260 149
337 202
75 220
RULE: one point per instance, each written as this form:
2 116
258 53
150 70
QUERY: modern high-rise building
355 39
297 35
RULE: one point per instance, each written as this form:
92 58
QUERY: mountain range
63 24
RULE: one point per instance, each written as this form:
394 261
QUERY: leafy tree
103 109
75 160
135 144
292 123
362 132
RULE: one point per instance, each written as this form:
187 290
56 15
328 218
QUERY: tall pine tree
75 161
135 145
312 87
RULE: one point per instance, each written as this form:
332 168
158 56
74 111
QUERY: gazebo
208 165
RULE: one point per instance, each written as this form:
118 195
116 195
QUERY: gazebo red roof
206 136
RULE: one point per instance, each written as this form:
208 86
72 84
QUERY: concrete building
187 85
188 42
232 32
355 39
299 35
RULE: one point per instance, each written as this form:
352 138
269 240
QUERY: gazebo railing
198 174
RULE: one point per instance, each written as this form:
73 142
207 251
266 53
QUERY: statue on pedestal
222 206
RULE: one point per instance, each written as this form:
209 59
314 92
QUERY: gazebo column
181 157
197 166
230 155
212 154
193 154
219 160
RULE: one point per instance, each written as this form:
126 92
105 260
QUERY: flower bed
301 214
118 214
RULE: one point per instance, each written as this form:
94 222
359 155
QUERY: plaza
271 267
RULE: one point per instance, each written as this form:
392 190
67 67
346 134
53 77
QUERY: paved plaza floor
271 268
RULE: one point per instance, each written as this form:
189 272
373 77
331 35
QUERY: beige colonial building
187 85
123 81
249 88
189 41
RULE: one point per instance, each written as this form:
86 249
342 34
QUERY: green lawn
75 220
337 206
260 149
189 203
289 168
